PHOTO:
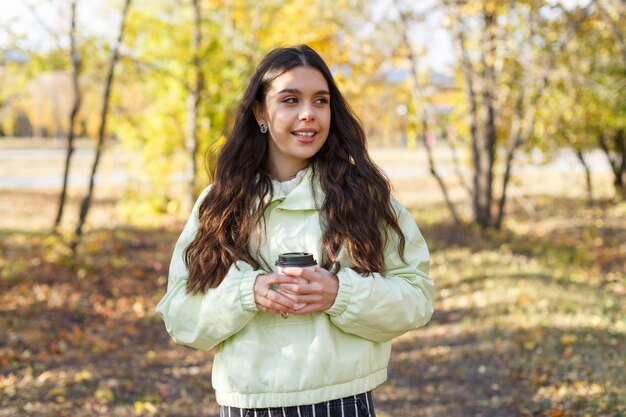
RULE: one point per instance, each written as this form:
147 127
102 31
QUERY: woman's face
297 114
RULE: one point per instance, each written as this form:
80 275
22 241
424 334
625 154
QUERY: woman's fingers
318 293
268 299
279 302
310 274
300 291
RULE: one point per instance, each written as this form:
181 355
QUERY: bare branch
54 35
156 68
424 104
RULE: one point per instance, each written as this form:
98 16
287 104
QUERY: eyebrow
296 91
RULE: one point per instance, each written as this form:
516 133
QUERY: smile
305 134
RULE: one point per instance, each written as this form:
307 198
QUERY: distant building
395 114
12 55
41 109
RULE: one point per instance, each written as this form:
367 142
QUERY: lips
305 135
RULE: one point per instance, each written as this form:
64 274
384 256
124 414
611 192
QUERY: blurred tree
193 105
613 14
13 79
507 53
427 120
584 107
71 129
193 68
611 80
39 81
86 202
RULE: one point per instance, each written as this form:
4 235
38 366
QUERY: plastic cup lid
295 259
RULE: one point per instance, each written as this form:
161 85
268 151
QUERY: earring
263 128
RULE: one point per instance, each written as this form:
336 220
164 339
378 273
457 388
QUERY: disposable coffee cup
298 260
295 259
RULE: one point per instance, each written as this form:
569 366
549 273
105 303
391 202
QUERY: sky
35 24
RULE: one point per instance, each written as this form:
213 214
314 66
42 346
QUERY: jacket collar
304 196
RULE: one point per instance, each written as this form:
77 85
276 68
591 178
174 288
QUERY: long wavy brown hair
356 212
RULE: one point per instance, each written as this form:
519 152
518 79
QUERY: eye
321 100
290 100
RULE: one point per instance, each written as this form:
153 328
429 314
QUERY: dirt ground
529 321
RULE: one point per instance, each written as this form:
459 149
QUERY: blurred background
500 124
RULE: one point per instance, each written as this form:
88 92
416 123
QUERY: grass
530 321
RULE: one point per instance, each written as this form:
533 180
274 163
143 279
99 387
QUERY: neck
285 172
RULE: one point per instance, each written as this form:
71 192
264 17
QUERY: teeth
307 134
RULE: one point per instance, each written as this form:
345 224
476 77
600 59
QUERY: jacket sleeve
380 307
202 321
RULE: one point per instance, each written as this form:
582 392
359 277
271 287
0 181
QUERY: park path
31 167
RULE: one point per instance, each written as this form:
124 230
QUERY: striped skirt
360 405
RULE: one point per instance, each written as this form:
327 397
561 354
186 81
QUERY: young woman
295 176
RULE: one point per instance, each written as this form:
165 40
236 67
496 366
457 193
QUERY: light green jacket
263 360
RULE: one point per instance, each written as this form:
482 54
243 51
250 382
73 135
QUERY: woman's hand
317 295
268 297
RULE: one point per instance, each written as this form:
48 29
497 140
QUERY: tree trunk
620 171
617 160
86 203
621 178
521 131
581 158
76 68
193 104
619 137
481 199
485 146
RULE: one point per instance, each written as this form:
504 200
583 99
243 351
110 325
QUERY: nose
307 112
